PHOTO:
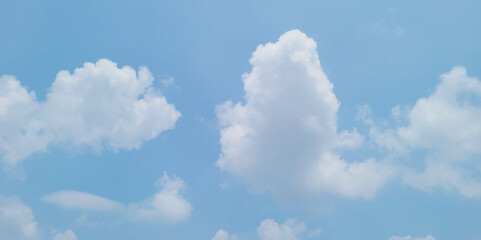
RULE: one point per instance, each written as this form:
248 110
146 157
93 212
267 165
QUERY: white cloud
448 120
67 235
428 237
168 82
445 124
96 105
348 179
20 134
223 235
288 126
350 139
446 176
16 220
81 200
165 205
271 230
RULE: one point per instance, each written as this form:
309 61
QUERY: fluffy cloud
166 205
271 230
284 136
448 120
96 105
445 124
446 176
16 220
428 237
223 235
67 235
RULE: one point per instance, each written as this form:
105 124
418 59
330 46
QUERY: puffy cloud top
448 120
97 105
284 136
223 235
269 229
166 205
67 235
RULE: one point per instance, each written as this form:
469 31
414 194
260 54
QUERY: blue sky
240 120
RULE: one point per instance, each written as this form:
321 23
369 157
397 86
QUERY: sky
246 120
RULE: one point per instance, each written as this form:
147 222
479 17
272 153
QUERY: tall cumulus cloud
284 136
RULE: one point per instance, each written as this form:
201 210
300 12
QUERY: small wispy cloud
168 82
387 25
165 205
